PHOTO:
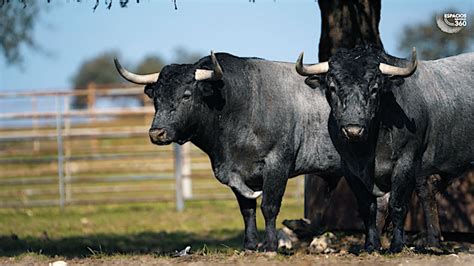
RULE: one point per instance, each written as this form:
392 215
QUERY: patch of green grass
151 228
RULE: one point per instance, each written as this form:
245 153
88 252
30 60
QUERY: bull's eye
187 94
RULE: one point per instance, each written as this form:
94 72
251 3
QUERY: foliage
183 56
123 3
99 70
150 64
17 24
432 43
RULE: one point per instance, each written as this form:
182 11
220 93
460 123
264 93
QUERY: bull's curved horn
400 71
213 75
303 70
243 189
135 78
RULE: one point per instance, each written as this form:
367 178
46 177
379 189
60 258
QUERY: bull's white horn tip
257 194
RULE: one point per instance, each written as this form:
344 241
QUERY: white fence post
67 152
187 182
60 152
178 175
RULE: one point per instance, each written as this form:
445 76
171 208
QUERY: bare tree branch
96 5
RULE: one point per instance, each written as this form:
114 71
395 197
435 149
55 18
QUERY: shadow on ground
166 243
159 243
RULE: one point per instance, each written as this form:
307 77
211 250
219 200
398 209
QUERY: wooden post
91 88
34 107
91 96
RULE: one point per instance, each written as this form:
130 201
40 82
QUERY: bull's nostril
157 134
352 131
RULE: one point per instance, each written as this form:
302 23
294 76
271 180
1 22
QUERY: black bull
255 119
394 126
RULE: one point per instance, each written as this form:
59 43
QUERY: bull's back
302 114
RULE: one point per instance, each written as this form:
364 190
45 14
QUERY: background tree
17 24
150 64
183 56
347 23
99 70
432 43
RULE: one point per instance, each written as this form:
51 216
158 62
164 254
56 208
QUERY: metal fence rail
104 157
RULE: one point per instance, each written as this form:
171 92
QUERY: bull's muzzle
353 132
158 136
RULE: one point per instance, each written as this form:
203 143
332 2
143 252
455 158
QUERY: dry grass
149 233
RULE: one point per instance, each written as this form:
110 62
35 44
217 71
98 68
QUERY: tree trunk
344 24
347 23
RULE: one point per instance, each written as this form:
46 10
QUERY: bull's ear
149 91
208 88
314 81
207 91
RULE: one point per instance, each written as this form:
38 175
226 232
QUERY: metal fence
53 154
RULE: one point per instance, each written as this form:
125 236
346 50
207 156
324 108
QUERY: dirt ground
241 258
346 250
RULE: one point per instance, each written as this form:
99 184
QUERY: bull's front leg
367 210
248 210
403 183
273 189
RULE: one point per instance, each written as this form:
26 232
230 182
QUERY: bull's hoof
268 247
434 243
372 246
396 247
250 245
424 241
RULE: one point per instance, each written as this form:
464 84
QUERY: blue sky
279 30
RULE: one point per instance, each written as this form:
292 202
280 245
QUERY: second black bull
394 126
